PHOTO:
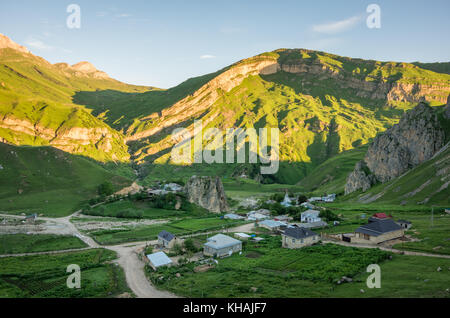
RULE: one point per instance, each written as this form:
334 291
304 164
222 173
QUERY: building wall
208 251
360 238
290 242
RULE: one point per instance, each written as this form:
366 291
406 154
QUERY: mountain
37 105
323 104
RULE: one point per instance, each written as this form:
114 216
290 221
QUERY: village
380 229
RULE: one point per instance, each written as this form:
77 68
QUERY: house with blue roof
221 245
159 259
168 240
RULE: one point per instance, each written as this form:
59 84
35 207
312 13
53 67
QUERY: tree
105 189
190 246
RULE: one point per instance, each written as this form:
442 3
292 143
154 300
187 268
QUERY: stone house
294 237
168 240
378 231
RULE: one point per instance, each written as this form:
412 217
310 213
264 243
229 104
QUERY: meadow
267 270
45 275
147 233
22 243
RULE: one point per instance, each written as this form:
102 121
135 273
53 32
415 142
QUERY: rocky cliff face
447 108
208 193
6 42
415 139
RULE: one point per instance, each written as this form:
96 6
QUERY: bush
328 216
190 246
105 189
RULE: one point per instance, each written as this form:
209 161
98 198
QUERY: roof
312 225
379 227
298 233
159 259
257 216
166 235
404 221
380 215
233 216
244 235
311 212
272 223
221 241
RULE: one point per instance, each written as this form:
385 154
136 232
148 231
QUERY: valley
88 177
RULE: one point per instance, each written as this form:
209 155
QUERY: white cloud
207 56
338 26
37 44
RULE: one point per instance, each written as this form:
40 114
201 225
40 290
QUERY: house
242 236
311 225
256 216
233 216
310 216
167 239
221 245
283 218
272 224
295 237
329 198
314 199
159 259
378 231
31 218
173 187
447 211
308 205
404 224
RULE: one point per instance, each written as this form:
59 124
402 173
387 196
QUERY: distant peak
88 68
7 43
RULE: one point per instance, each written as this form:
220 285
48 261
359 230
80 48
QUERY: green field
267 270
45 275
48 181
22 243
148 233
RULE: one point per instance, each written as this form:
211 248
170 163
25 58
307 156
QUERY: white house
310 216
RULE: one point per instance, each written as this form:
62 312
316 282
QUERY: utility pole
432 216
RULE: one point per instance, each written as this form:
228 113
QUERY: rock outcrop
208 193
447 108
7 43
415 139
360 178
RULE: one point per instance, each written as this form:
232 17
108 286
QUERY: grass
48 181
308 272
45 275
272 270
22 243
434 237
150 232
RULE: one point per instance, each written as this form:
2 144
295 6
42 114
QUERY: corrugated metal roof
221 241
159 259
377 228
272 223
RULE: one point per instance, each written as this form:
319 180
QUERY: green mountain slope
323 105
36 106
49 181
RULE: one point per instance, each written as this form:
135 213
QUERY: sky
163 43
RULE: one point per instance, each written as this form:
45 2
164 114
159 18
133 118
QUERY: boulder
208 193
360 179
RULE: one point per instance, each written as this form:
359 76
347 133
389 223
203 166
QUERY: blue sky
162 43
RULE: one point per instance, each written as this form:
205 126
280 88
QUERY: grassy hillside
48 181
439 67
37 107
323 105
